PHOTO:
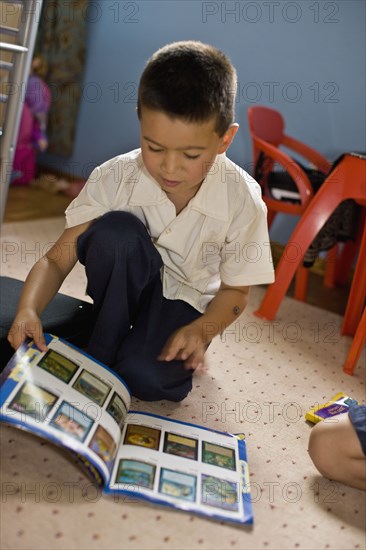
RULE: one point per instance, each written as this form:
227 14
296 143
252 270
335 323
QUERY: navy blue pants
132 318
357 415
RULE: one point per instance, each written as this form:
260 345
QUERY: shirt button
167 231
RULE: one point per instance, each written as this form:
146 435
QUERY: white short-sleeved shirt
221 235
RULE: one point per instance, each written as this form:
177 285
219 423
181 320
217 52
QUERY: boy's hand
187 345
27 324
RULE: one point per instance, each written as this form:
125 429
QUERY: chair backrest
266 123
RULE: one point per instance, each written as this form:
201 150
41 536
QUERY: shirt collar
146 190
211 198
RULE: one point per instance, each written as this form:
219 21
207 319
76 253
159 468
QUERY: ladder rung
13 47
6 65
10 31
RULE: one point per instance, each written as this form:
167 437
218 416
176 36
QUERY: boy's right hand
27 324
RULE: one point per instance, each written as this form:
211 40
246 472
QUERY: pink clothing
32 130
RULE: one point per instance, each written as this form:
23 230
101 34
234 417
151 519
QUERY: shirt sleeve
246 257
98 194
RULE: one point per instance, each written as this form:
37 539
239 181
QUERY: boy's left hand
187 345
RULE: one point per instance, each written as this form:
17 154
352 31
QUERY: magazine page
183 465
69 398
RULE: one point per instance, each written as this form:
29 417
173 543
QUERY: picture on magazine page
135 472
178 484
103 445
92 387
34 401
179 445
71 421
143 436
117 409
219 493
218 455
58 365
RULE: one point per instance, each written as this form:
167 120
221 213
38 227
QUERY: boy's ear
228 138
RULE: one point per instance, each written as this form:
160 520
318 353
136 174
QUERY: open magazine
70 399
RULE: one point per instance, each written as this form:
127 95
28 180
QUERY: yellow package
338 404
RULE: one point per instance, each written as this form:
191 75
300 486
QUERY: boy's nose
169 163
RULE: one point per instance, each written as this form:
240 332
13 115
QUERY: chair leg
344 263
310 223
357 295
301 283
356 346
349 253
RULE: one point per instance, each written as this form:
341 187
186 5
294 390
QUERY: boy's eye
157 150
191 156
154 150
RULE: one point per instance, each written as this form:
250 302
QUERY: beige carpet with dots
261 380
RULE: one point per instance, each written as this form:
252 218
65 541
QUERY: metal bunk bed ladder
19 21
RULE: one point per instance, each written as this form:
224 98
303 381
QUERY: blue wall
305 58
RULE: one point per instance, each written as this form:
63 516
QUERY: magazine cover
74 401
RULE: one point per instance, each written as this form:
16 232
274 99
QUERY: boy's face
178 154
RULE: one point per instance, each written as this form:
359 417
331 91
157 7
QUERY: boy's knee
115 232
114 227
118 220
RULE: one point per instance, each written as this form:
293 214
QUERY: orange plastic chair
267 130
346 181
356 346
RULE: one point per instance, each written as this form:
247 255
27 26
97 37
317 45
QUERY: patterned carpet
262 379
260 384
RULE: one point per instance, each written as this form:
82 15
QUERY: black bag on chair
67 317
281 184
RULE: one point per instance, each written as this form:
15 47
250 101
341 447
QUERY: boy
171 235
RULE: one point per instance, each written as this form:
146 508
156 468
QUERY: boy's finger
40 343
187 350
15 341
194 361
38 337
171 349
169 353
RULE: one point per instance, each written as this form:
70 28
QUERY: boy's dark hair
192 81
